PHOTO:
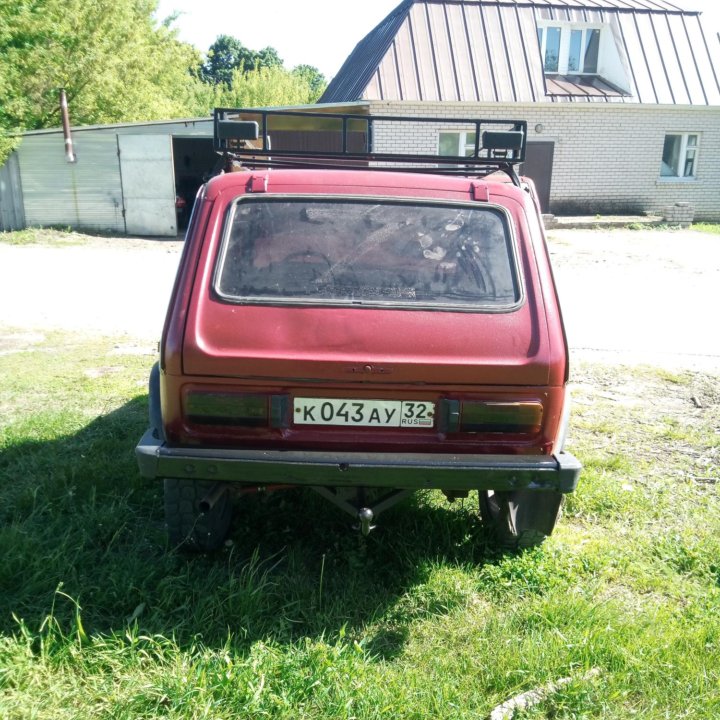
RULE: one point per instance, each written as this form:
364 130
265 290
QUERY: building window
679 158
550 44
569 49
584 49
458 144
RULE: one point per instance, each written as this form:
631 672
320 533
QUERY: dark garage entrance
194 161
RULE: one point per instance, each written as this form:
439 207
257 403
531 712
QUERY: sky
309 32
304 32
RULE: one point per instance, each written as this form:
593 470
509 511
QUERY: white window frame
682 157
463 145
564 51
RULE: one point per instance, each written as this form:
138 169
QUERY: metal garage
125 180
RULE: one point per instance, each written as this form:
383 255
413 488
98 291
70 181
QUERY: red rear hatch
505 345
446 351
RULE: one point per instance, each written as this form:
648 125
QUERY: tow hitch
356 502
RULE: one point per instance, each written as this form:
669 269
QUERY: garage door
148 184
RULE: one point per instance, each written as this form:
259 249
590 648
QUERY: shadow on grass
76 516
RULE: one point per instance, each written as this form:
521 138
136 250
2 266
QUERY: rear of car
367 335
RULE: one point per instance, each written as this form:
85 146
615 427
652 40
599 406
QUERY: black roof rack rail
304 139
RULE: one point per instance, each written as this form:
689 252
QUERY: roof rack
300 139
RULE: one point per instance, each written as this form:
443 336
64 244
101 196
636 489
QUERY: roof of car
365 182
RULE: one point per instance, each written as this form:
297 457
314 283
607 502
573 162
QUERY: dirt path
635 297
628 296
108 286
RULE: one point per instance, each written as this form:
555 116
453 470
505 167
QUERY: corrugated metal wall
12 216
87 194
84 194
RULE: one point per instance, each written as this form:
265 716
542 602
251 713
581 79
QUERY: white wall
607 157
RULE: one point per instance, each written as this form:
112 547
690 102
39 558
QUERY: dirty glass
457 143
671 156
354 252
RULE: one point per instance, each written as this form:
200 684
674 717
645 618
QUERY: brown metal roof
588 86
488 51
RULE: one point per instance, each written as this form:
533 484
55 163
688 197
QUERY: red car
362 332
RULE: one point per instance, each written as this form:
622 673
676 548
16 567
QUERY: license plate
364 413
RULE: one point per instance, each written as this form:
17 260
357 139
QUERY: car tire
520 519
189 527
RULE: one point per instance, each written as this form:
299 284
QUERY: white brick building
622 97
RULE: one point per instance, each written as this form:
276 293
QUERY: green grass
713 228
43 236
299 617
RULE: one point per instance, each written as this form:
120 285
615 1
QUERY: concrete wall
607 157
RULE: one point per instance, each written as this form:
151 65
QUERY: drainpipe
69 152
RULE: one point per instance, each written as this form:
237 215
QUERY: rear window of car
351 251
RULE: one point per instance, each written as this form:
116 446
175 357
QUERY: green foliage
118 64
236 76
265 87
7 144
712 228
268 57
115 63
227 54
314 78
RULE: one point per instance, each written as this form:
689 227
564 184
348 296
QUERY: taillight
523 418
497 417
215 408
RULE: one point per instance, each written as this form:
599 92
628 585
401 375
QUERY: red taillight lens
501 417
209 408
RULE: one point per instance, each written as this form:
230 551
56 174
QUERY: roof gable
357 71
488 51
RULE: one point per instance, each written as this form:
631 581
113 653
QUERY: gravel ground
640 296
628 297
108 286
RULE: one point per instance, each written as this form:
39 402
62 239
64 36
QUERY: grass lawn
300 617
44 236
713 228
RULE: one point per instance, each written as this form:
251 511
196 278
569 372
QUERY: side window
679 157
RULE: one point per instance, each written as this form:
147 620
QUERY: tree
264 87
228 54
267 57
118 64
313 77
225 55
111 56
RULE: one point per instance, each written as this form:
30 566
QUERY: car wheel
520 518
190 525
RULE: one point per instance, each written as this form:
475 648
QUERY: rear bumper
391 470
